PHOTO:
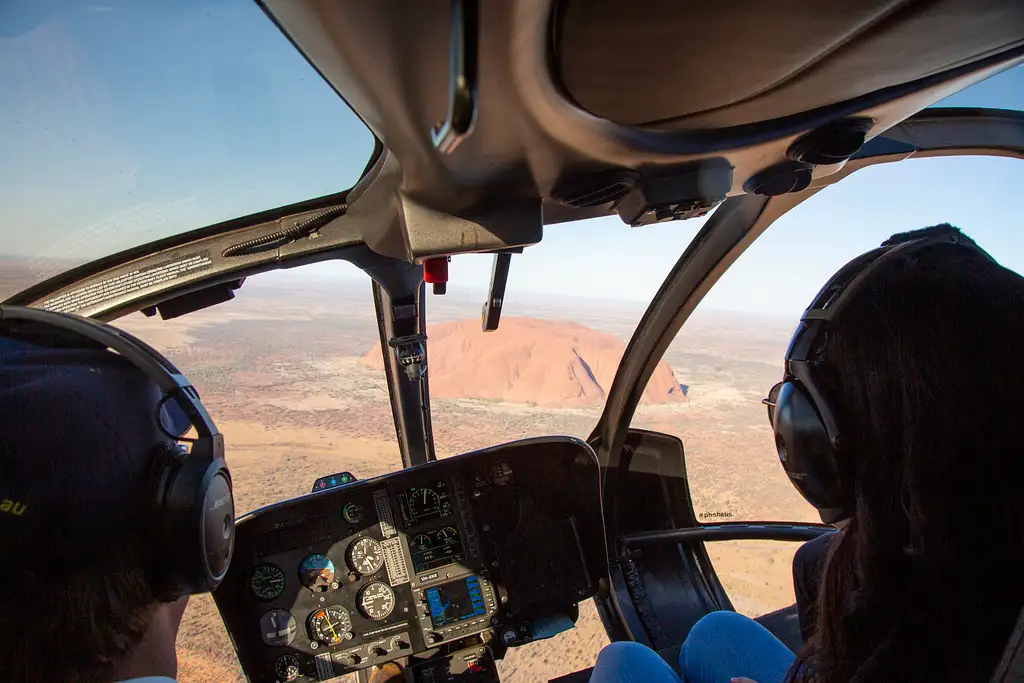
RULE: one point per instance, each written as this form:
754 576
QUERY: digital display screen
456 601
420 503
436 548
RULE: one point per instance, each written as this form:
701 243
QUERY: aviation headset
807 427
191 520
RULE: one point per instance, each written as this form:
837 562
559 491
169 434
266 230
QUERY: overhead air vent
595 189
782 178
832 143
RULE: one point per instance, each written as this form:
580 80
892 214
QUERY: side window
731 350
281 370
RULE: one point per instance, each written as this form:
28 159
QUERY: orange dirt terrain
290 370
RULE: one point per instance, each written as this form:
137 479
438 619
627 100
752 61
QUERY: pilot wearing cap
78 430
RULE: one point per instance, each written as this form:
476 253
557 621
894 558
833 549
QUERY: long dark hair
927 368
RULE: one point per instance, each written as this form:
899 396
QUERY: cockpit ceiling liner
686 64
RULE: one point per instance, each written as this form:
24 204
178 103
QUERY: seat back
1011 665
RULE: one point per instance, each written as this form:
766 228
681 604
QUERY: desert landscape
292 372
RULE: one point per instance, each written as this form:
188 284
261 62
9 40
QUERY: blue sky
122 121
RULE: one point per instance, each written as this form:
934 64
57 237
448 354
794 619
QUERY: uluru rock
529 360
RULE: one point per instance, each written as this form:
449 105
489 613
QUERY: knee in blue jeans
714 626
629 662
726 644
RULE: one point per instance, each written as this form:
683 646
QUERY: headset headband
174 385
839 290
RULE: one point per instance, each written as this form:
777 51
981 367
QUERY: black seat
1011 665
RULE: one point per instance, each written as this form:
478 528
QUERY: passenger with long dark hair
899 409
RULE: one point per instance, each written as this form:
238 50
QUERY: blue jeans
721 646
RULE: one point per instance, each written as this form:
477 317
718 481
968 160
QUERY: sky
123 121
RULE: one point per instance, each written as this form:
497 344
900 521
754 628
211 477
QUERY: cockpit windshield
127 121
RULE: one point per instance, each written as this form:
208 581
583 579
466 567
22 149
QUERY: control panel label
125 284
384 629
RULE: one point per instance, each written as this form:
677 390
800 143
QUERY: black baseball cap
78 430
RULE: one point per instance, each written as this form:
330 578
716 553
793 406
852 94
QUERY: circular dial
352 513
448 534
365 556
267 581
422 541
278 627
423 502
287 667
330 624
317 572
376 600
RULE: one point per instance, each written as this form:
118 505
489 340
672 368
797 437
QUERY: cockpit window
127 121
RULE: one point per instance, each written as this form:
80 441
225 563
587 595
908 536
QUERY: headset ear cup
197 528
806 452
167 458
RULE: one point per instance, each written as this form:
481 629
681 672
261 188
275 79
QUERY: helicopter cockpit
427 132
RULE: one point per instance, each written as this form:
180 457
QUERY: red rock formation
528 360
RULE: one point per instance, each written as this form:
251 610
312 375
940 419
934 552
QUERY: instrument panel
415 561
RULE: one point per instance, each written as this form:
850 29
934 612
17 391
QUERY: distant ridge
18 273
529 360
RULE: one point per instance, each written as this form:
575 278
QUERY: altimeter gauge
365 556
376 600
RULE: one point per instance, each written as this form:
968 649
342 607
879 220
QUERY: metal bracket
411 352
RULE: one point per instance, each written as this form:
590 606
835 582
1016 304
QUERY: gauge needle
327 618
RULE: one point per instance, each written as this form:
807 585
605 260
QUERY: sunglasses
771 401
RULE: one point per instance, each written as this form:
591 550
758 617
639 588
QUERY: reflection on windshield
126 121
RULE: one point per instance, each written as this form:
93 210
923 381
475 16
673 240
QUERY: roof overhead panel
689 65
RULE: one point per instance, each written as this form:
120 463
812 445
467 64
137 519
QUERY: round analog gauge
267 581
329 625
352 513
365 556
278 627
422 541
376 600
287 668
423 502
449 534
317 572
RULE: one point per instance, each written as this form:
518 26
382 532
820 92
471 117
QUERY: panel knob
347 658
